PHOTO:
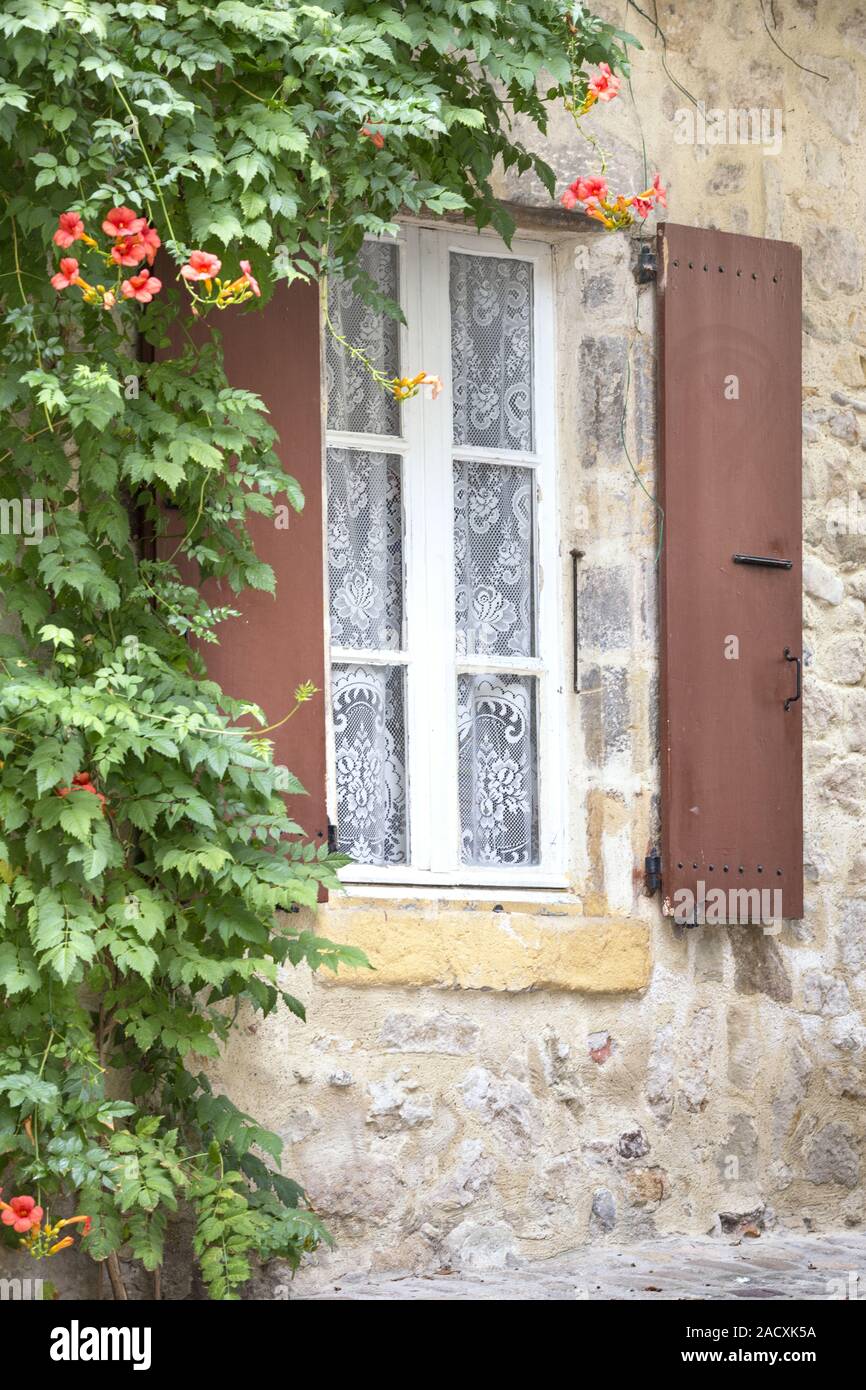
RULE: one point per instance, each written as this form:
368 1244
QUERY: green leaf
79 811
18 970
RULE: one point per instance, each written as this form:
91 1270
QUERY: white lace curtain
494 561
494 568
370 755
356 403
491 351
365 573
496 722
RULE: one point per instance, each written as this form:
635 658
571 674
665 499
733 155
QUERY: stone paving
777 1267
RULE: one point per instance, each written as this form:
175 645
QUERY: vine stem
141 145
25 302
118 1287
36 1114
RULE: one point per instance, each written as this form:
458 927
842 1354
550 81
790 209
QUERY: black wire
655 23
784 51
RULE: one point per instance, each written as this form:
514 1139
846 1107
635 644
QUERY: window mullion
416 566
440 637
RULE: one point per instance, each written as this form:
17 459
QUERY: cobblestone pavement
771 1267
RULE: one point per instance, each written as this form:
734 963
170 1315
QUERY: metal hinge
652 872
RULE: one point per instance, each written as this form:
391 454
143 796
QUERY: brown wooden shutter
730 432
276 644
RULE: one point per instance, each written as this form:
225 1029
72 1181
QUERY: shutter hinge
646 265
652 871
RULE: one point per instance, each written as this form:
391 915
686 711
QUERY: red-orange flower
81 781
606 86
67 274
152 242
141 287
22 1214
251 279
201 266
70 228
128 250
584 190
376 136
123 222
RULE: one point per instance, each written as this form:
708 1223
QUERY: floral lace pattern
356 402
365 549
496 719
491 351
493 559
370 752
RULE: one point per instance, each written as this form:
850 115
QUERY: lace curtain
370 744
355 402
365 573
496 737
491 351
365 549
494 569
493 560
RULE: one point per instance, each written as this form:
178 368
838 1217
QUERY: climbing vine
159 163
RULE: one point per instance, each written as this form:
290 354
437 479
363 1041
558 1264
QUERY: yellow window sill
468 946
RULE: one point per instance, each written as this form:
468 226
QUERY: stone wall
520 1078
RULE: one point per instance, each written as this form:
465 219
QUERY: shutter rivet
779 872
754 275
725 869
742 870
711 867
739 272
691 265
760 868
694 864
679 866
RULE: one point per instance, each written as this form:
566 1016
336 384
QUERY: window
446 751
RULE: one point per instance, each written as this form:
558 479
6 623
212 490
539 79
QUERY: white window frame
432 667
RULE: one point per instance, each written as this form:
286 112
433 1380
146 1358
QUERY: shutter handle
576 557
792 699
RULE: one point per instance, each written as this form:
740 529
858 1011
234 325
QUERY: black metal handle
769 561
792 699
576 557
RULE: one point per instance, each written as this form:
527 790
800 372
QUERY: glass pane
496 767
355 401
493 559
491 351
365 549
370 751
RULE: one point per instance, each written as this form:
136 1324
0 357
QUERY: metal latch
646 267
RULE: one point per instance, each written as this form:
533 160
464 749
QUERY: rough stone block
601 371
430 1032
